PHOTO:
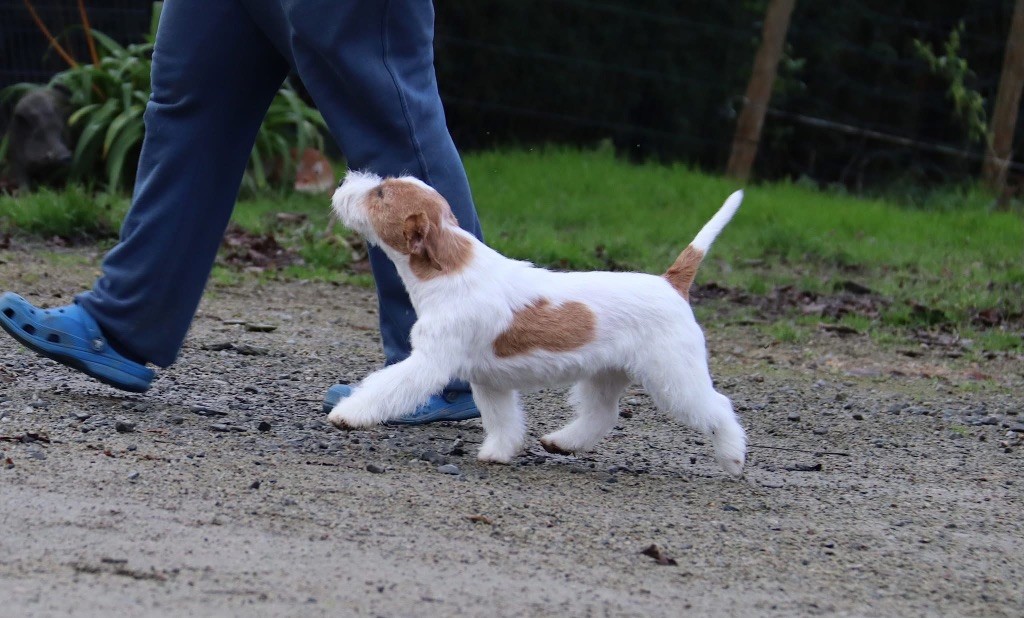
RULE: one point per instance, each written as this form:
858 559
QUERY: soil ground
881 481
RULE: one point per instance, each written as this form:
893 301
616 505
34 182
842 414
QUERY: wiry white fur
714 227
645 331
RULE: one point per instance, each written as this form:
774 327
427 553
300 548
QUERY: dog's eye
380 192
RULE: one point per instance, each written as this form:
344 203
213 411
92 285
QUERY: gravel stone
449 469
212 543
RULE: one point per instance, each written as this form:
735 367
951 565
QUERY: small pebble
374 468
433 457
263 426
124 426
206 411
133 475
793 416
449 469
255 484
260 328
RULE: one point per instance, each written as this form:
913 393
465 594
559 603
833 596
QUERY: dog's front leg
504 423
389 393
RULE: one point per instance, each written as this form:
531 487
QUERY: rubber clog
448 406
71 337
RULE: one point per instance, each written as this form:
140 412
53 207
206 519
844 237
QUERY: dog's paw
497 451
552 446
730 443
733 466
346 420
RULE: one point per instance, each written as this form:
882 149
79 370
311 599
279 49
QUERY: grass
588 210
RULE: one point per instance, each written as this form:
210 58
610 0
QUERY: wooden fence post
1004 116
759 90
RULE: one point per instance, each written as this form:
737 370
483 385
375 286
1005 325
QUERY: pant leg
369 65
214 76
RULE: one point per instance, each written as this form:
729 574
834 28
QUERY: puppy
505 326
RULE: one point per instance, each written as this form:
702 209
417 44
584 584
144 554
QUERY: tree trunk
759 90
1004 116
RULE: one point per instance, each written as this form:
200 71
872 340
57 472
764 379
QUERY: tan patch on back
684 270
393 203
543 326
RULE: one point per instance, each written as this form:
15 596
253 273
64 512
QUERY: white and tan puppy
505 326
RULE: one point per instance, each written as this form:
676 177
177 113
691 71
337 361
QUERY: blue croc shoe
70 336
448 406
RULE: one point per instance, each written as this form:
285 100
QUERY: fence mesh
664 78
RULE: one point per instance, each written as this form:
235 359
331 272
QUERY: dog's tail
683 271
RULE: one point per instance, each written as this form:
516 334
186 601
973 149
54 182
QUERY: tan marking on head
542 326
417 222
684 269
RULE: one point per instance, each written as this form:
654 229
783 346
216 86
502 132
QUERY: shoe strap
97 341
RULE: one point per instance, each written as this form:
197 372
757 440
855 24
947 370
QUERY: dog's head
406 218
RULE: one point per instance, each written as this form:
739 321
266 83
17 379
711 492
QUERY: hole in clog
9 312
28 328
53 338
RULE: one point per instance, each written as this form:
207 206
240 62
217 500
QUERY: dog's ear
419 237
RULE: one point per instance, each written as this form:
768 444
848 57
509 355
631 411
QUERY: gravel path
881 482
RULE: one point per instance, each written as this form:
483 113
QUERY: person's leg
369 67
214 75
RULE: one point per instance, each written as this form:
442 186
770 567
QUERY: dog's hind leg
504 423
596 400
684 390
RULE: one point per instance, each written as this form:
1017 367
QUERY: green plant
109 97
968 104
290 125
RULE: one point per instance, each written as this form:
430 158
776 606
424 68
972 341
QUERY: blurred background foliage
663 80
108 99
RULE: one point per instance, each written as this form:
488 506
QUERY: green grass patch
584 210
73 213
563 208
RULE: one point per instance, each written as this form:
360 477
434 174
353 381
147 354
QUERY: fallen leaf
659 556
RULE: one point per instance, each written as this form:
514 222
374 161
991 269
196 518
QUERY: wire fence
665 78
853 101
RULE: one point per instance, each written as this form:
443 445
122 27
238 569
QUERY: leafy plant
968 104
290 125
108 99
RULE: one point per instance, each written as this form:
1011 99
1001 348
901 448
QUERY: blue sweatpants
216 67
